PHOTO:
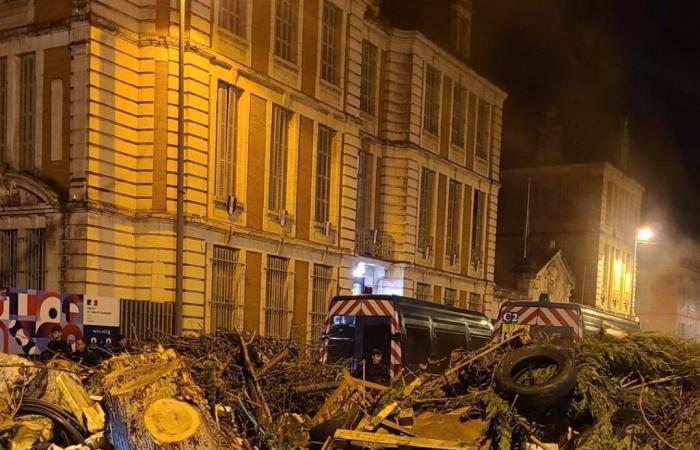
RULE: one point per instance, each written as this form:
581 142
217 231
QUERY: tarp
27 317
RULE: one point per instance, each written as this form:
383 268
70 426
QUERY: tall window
278 310
330 43
459 116
450 298
278 158
475 303
454 212
425 215
3 110
27 113
226 289
483 130
286 29
364 191
368 77
477 249
225 142
8 258
324 151
320 298
431 114
424 292
232 16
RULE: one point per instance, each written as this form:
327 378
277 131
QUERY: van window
446 341
476 342
416 345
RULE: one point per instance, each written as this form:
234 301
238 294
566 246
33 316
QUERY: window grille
286 29
475 303
425 219
142 319
27 113
424 292
459 116
330 43
323 173
477 229
431 117
278 158
278 310
232 16
454 212
227 288
225 142
23 258
3 110
368 77
483 130
8 258
323 284
450 298
364 191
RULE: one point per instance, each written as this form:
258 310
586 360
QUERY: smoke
596 63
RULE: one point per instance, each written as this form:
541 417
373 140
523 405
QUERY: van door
416 341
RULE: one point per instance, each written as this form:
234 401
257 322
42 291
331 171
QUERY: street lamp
644 234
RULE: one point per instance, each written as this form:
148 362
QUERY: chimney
624 151
551 141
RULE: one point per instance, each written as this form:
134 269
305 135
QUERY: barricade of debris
227 391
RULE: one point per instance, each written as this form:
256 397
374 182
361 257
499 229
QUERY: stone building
591 211
322 146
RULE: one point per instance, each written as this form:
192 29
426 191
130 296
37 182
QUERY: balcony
374 244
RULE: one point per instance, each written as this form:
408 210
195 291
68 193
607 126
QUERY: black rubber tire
548 394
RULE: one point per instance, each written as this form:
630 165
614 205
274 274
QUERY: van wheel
539 375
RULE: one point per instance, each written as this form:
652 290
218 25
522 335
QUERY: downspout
180 221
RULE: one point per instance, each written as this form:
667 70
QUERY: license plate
510 328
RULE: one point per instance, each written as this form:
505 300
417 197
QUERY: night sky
591 64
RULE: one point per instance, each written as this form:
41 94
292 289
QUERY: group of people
81 352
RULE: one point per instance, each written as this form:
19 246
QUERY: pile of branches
260 381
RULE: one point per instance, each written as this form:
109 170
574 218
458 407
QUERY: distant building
591 211
668 290
326 152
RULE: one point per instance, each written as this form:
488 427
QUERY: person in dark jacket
374 370
84 355
121 345
56 346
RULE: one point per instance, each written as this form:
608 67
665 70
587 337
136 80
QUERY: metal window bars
323 285
142 319
8 258
374 244
228 275
278 308
23 258
424 292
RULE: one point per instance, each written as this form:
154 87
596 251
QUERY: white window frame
279 158
368 78
459 116
226 141
454 213
426 205
432 100
331 43
482 141
285 41
233 17
324 172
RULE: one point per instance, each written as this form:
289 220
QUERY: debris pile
640 391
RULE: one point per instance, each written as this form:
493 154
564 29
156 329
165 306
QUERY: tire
550 392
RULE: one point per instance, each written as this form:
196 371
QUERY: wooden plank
361 437
393 426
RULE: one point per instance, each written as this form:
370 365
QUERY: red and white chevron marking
541 315
367 307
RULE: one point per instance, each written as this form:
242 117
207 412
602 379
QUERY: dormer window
460 30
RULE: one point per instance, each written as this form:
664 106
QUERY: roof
536 260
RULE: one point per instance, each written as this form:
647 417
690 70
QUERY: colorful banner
27 317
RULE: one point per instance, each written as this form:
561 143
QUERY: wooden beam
361 437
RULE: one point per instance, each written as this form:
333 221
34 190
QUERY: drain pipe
180 225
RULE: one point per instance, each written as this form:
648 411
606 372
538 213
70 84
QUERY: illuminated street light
645 234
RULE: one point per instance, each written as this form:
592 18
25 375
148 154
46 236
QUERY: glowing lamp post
644 234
